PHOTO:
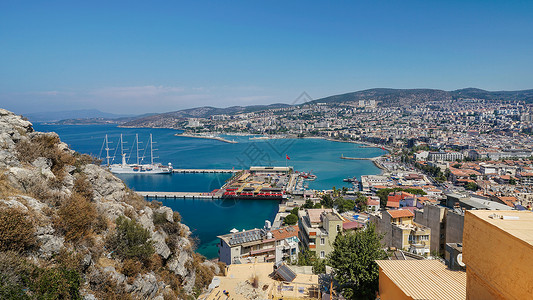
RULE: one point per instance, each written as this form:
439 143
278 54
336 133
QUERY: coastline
217 138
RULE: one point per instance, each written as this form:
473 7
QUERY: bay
207 219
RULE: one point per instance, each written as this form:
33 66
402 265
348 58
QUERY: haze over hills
71 114
384 96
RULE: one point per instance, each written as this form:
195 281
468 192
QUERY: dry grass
45 145
76 217
83 187
6 189
17 230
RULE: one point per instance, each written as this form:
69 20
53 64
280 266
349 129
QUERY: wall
454 227
499 265
388 290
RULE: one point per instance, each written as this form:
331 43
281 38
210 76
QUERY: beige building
419 279
400 231
239 281
498 251
318 229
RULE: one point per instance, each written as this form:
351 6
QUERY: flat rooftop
521 228
425 279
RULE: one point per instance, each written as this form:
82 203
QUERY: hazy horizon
136 57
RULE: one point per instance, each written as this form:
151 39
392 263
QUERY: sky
134 57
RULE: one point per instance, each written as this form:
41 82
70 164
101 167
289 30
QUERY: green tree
131 240
512 181
327 201
308 204
291 219
353 259
472 186
295 210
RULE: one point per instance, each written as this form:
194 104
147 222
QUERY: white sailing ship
139 167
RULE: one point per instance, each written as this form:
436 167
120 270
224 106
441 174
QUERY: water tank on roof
269 235
267 225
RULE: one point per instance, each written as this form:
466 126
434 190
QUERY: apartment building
318 229
260 245
400 231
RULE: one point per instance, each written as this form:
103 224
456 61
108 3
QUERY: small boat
352 179
308 176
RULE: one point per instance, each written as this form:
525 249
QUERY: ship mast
137 140
151 150
107 149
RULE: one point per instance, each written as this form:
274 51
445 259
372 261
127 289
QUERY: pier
360 158
205 170
178 195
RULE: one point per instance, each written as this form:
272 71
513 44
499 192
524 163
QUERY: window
322 241
338 228
322 254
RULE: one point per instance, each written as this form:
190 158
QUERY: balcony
264 250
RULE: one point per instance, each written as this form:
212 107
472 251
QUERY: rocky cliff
70 229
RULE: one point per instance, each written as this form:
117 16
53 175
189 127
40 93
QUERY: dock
178 195
360 158
205 171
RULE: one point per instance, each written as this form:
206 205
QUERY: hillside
385 97
173 119
69 229
71 114
405 97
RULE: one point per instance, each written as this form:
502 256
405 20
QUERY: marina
203 165
205 170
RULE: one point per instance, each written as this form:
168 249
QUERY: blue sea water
207 219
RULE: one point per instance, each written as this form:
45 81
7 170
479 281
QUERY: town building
497 251
261 245
318 229
420 279
401 232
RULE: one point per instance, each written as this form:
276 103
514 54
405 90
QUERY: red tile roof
393 204
285 232
400 213
352 225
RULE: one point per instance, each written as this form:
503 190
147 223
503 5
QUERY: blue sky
156 56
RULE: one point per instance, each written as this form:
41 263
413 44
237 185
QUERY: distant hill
405 97
169 119
53 116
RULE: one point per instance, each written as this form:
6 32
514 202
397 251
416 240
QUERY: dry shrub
6 190
177 216
173 280
131 267
76 217
14 268
85 159
70 260
204 274
83 187
135 200
17 230
155 262
45 145
104 287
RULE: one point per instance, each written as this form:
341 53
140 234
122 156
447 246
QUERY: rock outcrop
73 207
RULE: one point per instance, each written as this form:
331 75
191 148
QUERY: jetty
178 195
360 158
205 170
209 137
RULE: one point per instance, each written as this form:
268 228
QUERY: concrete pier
205 170
178 195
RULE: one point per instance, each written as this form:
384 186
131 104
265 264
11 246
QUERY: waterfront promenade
177 195
205 170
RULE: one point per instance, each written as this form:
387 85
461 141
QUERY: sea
209 218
